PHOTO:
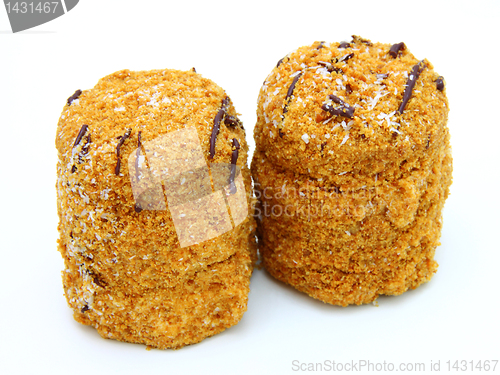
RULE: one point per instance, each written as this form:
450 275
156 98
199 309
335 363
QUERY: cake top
329 106
124 128
152 102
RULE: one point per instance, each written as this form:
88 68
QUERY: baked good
154 200
352 168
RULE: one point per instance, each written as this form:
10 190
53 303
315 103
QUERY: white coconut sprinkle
305 138
119 109
345 139
327 121
376 99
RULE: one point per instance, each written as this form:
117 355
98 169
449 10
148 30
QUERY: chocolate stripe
215 130
74 96
118 146
85 147
289 93
344 109
395 48
234 155
80 135
344 45
330 67
234 160
410 84
292 86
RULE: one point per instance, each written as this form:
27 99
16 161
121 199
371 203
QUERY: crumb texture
126 273
352 168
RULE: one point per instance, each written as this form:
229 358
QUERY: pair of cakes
134 269
155 200
352 168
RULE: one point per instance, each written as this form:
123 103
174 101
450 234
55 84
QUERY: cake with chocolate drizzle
145 260
352 168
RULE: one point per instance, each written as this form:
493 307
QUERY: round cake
154 201
352 168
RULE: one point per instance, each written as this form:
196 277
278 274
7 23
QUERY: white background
453 317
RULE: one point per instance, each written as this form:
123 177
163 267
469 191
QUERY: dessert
352 168
154 200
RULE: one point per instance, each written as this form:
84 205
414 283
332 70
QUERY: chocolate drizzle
330 67
85 147
344 45
234 155
234 160
410 84
74 96
118 146
396 48
85 308
321 45
80 135
97 280
215 130
289 93
280 61
344 109
348 88
440 83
